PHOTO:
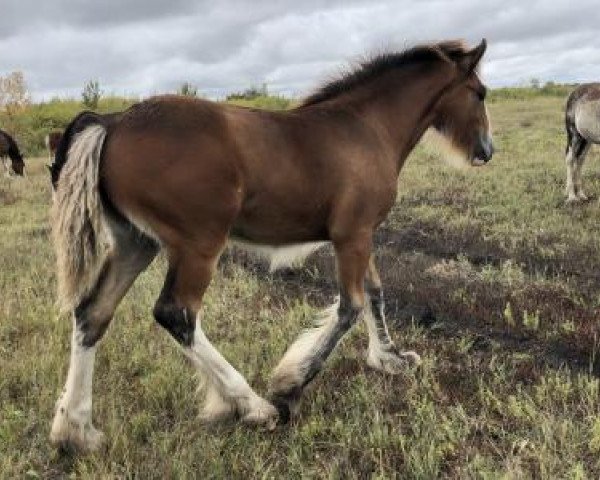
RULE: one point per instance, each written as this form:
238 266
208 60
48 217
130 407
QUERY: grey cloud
142 47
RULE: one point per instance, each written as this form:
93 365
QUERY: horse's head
18 165
461 116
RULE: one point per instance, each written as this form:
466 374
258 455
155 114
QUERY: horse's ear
469 61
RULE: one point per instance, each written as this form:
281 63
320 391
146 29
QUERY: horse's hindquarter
170 169
587 119
583 111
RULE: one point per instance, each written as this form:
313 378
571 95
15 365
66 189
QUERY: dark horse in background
582 123
188 175
10 150
51 141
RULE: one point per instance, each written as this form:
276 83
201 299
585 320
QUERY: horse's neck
4 145
405 113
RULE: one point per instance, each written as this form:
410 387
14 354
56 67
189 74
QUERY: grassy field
30 125
488 275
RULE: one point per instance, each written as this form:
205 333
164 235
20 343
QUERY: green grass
30 126
508 388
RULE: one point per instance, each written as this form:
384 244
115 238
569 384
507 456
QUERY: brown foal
188 175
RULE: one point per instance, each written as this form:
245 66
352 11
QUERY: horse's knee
178 321
91 322
348 313
569 157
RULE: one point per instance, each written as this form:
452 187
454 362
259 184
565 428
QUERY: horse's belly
279 256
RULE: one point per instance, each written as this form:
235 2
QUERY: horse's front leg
383 354
306 356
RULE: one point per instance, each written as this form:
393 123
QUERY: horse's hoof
262 413
571 199
286 403
283 409
393 362
73 437
413 358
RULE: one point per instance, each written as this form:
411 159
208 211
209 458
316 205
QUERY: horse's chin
440 145
478 162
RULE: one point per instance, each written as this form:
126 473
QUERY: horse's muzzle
484 150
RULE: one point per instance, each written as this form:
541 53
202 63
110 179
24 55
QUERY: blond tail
82 239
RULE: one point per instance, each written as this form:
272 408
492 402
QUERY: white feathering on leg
291 370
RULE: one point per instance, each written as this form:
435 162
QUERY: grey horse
582 122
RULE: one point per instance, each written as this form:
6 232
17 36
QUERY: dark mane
382 63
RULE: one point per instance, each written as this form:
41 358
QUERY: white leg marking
216 408
73 418
292 369
226 386
383 355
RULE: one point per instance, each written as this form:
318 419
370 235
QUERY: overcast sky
142 47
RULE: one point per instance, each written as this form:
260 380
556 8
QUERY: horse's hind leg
177 310
576 152
72 425
581 154
382 354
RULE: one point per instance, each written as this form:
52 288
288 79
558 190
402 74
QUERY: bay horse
582 123
9 148
188 175
51 141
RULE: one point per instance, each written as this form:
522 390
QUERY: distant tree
264 90
535 83
91 94
188 90
14 95
250 93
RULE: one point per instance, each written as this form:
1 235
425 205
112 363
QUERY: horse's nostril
486 147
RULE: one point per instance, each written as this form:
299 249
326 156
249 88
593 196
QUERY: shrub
91 94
